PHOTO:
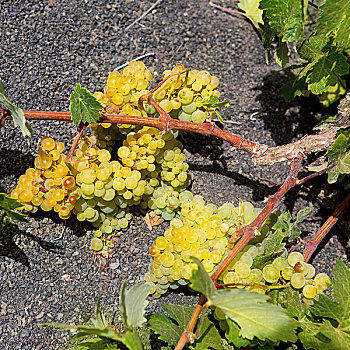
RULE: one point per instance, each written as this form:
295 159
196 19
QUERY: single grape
297 281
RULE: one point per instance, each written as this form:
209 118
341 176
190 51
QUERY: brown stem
307 178
312 244
163 123
189 330
82 128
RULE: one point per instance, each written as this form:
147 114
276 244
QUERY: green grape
279 263
167 259
246 258
323 280
198 116
257 275
309 291
242 269
287 273
161 242
294 258
231 277
96 244
297 281
271 273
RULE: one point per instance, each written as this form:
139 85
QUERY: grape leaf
335 334
332 94
7 204
281 54
16 113
339 308
289 299
87 331
212 102
311 337
92 344
335 17
233 336
295 87
344 164
252 11
84 107
286 17
254 315
132 340
99 321
337 151
325 66
170 330
289 229
200 280
132 304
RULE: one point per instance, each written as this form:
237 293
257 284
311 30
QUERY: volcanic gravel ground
47 273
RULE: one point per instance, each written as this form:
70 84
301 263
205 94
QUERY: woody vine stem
294 153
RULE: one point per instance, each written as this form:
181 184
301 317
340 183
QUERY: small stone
66 277
40 315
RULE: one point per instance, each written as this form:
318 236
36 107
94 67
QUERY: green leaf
84 107
8 204
132 304
273 242
200 280
333 315
99 321
281 54
91 344
332 94
335 18
289 299
252 11
311 337
266 258
254 315
132 340
16 113
170 331
233 335
286 17
87 331
208 338
339 308
326 63
344 164
336 152
303 214
294 88
167 330
212 103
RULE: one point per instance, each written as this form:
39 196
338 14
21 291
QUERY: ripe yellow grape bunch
181 96
121 166
203 231
50 185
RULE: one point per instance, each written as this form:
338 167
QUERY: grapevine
120 162
250 266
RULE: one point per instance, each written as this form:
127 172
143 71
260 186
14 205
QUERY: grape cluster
121 166
181 95
202 231
50 184
101 190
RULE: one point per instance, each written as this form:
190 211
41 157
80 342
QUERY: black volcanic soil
46 269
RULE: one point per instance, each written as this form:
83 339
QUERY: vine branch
312 244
